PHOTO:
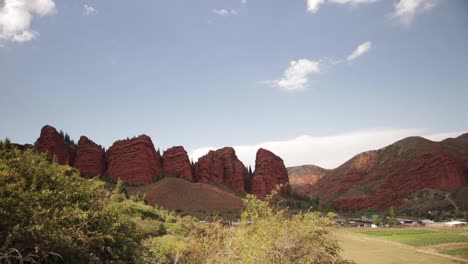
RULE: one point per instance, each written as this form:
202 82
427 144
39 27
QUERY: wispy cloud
88 10
314 5
16 17
296 76
360 50
326 151
406 10
225 12
244 1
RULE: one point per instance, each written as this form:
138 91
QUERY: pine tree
67 138
7 143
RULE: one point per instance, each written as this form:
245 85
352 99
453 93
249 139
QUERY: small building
455 224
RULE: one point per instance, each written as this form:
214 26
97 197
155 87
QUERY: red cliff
269 172
90 158
175 162
52 142
221 166
134 161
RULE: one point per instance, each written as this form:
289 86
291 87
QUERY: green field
399 245
459 252
362 250
420 237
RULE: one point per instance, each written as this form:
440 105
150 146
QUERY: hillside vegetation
49 214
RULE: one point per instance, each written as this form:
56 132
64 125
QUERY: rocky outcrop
90 158
52 142
385 177
269 173
221 166
175 162
134 161
303 178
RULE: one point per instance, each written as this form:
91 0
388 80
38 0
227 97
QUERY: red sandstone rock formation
90 158
53 143
269 172
385 177
175 162
221 166
134 161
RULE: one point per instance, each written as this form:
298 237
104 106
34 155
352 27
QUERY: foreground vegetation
49 214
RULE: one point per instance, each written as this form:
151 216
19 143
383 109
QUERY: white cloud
360 50
88 10
16 17
296 76
325 151
244 1
225 12
314 5
406 10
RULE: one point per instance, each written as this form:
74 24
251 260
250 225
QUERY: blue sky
207 74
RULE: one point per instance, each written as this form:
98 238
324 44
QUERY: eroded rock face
269 172
385 177
134 161
52 142
303 178
90 158
175 162
221 166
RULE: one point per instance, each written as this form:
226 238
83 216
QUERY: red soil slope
384 177
303 178
175 193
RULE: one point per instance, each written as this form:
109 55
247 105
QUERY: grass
459 252
419 237
366 251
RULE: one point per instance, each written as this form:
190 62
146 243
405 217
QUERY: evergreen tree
250 173
67 138
7 143
392 211
120 187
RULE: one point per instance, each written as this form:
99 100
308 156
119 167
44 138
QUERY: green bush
48 210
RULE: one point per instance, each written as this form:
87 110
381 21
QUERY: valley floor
363 250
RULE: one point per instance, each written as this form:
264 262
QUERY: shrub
265 235
48 210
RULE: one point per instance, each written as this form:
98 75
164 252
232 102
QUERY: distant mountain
385 177
303 178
